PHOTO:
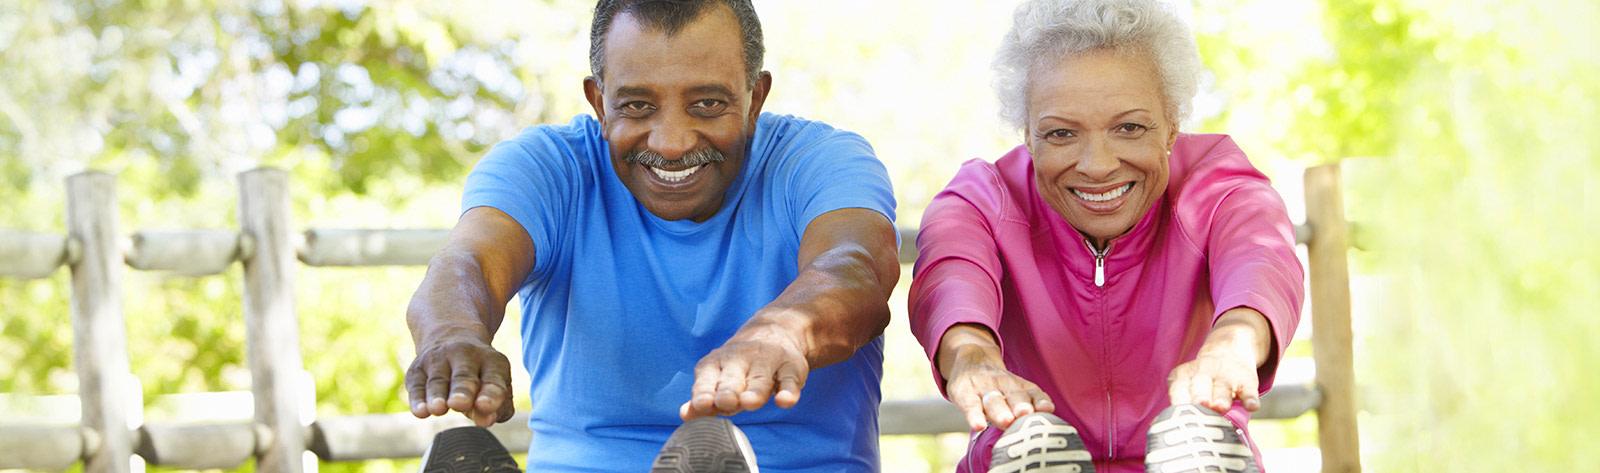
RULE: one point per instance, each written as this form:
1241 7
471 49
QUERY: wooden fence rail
280 432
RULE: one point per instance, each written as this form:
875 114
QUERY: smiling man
679 256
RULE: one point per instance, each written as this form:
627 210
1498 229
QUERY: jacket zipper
1100 282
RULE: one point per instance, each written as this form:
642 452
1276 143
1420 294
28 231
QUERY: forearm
1240 332
838 303
454 299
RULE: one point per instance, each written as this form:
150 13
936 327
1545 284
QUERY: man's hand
455 313
1225 369
476 378
758 363
977 381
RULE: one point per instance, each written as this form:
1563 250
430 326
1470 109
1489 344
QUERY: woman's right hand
977 382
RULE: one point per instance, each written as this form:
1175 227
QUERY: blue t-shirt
622 304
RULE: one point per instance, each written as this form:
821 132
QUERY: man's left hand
758 363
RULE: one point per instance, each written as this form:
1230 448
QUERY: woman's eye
1131 129
1059 134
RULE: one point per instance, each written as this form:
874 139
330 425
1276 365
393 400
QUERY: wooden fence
278 437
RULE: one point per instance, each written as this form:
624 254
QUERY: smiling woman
1111 277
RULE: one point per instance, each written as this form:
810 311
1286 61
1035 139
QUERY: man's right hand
460 374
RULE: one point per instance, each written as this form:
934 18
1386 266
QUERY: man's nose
673 137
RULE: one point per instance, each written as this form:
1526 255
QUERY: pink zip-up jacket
992 252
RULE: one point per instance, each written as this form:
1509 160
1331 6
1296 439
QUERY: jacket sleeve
1243 229
958 271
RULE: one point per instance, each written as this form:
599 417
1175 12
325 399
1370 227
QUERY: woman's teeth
1108 195
674 176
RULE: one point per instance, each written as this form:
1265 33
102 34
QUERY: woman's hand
976 380
1225 369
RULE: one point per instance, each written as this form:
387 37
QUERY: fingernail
456 395
418 406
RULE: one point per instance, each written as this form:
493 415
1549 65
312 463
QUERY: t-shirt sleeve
532 178
1245 232
835 170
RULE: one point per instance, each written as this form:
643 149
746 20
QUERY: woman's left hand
1225 369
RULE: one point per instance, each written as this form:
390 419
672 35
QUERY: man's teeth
675 176
1112 194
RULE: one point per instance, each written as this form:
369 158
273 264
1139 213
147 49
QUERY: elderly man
679 256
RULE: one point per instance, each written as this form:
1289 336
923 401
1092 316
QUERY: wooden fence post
100 336
1331 336
273 329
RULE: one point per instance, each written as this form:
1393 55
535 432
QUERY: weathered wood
272 328
920 416
1331 337
198 446
341 247
399 435
186 252
29 255
100 336
40 447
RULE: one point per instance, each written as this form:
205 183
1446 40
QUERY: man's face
677 111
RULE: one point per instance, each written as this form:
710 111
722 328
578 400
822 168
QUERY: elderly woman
1128 278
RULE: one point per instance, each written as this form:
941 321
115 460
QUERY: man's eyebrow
633 91
712 89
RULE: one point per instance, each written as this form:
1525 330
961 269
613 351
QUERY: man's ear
758 97
592 92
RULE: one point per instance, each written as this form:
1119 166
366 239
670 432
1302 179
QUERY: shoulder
784 136
997 189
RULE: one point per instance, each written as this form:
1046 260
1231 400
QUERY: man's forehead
708 48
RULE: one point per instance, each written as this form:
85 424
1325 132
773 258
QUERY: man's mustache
695 157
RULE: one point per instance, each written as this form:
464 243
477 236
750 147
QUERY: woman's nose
1097 160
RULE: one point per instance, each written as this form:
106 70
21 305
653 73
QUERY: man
679 256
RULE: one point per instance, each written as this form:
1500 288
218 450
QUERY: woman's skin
1100 134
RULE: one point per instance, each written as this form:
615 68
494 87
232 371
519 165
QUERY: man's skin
670 95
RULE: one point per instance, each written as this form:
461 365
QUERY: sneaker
469 449
1043 443
706 445
1192 438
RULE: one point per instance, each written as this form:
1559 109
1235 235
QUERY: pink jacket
992 252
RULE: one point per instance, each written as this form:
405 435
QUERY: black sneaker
706 445
470 449
1190 438
1040 442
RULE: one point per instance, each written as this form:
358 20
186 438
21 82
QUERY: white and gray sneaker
469 449
1190 438
1041 443
706 445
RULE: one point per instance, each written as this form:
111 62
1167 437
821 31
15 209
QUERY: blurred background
1472 124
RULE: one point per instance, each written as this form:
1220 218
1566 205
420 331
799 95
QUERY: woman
1111 269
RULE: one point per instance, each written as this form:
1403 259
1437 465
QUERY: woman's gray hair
1048 30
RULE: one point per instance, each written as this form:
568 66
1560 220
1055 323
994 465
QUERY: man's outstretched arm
848 266
454 316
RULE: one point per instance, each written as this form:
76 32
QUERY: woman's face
1099 136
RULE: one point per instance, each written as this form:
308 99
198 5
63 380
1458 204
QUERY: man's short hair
671 16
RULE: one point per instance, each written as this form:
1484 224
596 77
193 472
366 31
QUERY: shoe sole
706 445
1040 443
1190 438
467 450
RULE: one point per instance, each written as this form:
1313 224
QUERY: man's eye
709 105
636 106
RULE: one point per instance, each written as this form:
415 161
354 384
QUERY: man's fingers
416 390
730 383
437 386
464 383
758 385
791 379
702 395
495 390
